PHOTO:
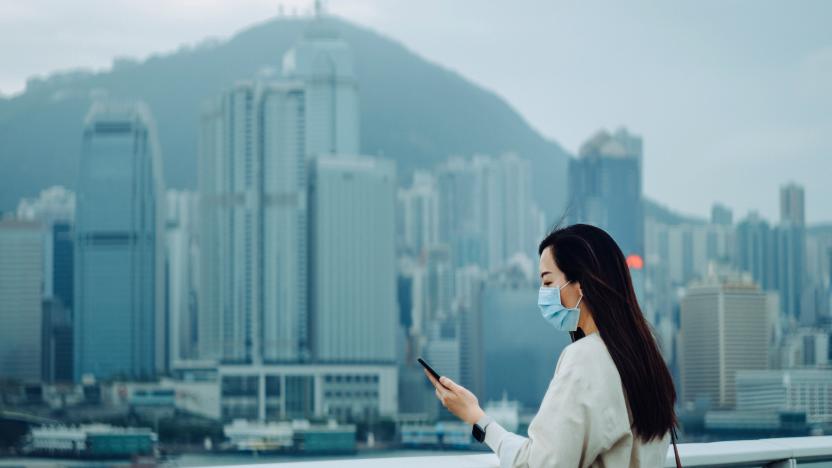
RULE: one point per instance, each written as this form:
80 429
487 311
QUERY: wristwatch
479 428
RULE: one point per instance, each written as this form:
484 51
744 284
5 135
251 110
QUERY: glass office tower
118 301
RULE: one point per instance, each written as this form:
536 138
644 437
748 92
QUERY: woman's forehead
547 260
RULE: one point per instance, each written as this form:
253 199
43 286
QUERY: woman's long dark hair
588 255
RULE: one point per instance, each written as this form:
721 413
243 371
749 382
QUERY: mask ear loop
579 301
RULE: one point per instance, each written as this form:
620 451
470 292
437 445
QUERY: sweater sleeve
504 443
559 434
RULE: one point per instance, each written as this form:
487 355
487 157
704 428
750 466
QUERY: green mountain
412 111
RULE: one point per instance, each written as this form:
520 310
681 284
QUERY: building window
239 385
272 385
300 396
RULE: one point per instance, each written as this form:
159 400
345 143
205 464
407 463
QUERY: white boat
506 412
248 436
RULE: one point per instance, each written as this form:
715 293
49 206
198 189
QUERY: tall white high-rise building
418 214
790 267
214 214
725 327
182 247
21 313
256 143
518 207
253 204
284 214
353 259
458 227
323 62
119 307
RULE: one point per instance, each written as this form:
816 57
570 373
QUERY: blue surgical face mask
561 317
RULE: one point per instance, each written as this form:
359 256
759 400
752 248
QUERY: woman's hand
458 399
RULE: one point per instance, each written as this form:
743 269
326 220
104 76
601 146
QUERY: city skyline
285 298
798 67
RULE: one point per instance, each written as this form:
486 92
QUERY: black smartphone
429 368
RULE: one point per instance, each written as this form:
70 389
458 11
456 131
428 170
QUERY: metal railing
790 452
774 453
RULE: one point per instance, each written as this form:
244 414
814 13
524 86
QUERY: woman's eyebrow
545 273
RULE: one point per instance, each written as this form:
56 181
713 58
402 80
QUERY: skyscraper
182 274
792 204
57 342
58 299
353 281
285 134
789 268
458 225
791 252
62 252
518 207
754 251
21 279
724 327
721 215
438 287
54 209
468 292
119 301
418 214
254 223
323 62
605 188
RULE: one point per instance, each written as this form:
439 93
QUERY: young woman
610 402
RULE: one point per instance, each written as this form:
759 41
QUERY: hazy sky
733 98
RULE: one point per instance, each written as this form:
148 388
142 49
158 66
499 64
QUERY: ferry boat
100 441
296 437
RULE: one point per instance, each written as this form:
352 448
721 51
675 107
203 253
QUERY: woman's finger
436 383
448 383
433 381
